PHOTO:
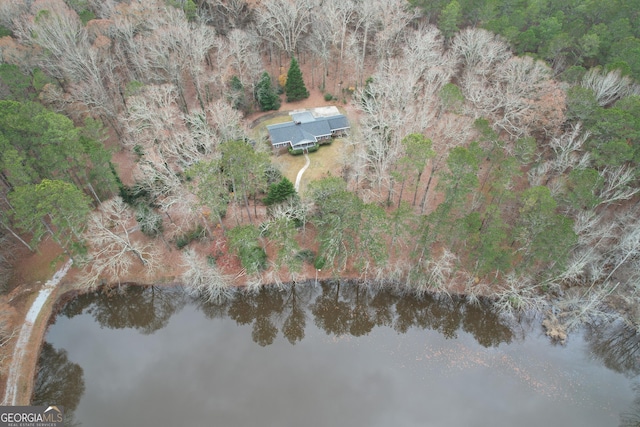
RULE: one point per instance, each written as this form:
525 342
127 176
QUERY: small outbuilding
308 128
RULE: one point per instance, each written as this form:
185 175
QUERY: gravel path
15 369
304 168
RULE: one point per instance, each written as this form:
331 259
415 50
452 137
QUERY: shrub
328 97
299 151
188 237
150 221
133 88
319 262
306 255
253 259
133 195
244 240
40 79
272 174
86 16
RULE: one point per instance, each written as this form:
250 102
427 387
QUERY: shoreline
64 291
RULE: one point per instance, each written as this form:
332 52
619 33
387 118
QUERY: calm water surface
330 355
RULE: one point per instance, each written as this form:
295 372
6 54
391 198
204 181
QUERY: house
308 128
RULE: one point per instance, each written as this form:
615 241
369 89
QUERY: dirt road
16 368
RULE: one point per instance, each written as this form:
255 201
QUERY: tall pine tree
295 88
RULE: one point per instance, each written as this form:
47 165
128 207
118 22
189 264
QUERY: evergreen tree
266 95
280 192
55 207
37 144
237 96
295 88
449 19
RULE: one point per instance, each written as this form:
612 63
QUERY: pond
322 355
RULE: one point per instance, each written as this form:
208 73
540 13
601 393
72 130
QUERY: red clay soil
30 272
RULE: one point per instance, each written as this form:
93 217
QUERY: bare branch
201 278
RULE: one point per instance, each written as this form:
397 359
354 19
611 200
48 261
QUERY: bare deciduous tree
519 295
203 279
394 17
283 23
10 11
617 186
518 94
479 51
320 42
245 56
610 86
426 61
226 15
113 250
67 54
339 14
433 275
569 153
55 28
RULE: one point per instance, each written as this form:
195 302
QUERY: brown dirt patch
34 267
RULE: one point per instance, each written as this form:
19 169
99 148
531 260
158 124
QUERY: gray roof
338 122
305 130
302 117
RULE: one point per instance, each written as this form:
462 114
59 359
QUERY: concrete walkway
304 168
15 369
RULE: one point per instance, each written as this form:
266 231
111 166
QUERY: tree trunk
390 191
364 52
14 234
415 193
55 238
93 191
426 191
401 191
224 230
246 204
255 205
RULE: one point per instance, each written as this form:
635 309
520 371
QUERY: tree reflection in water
144 308
295 312
618 347
59 382
338 308
632 418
